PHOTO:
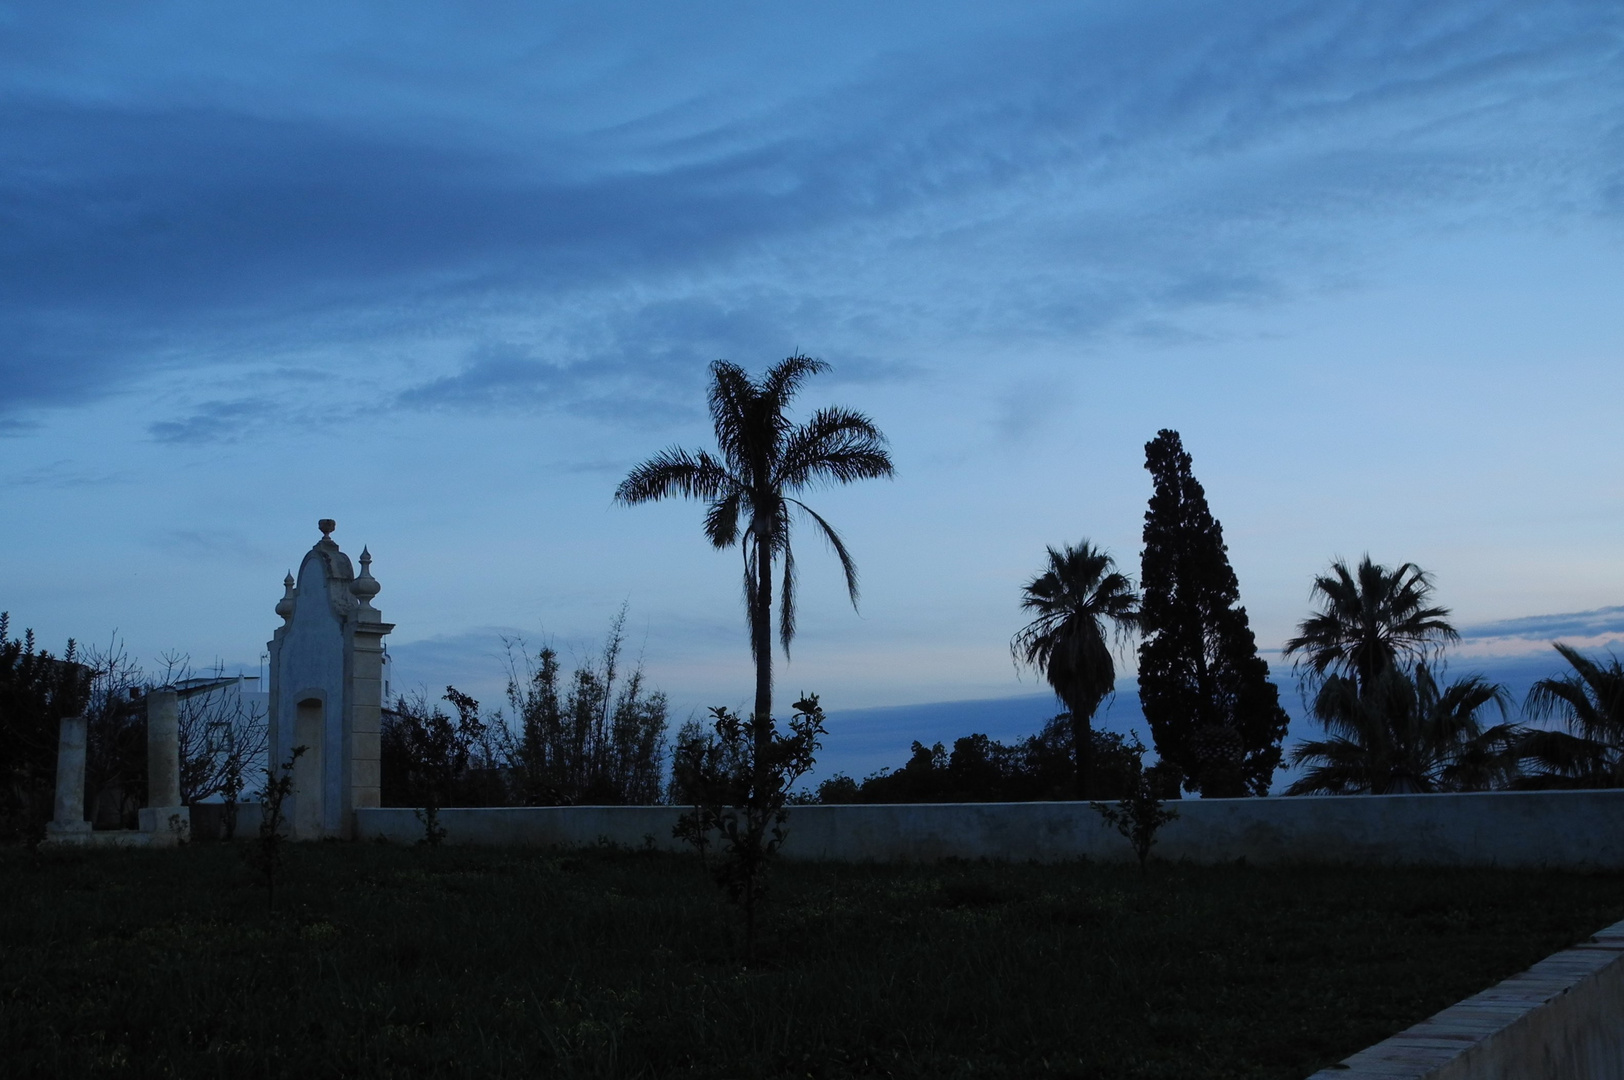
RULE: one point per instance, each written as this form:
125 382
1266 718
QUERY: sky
445 273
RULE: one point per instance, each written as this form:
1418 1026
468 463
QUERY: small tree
740 782
231 790
218 730
268 854
115 737
1140 814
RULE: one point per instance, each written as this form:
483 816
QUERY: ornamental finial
284 606
365 586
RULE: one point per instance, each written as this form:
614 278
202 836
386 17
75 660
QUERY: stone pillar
163 748
164 817
365 697
70 781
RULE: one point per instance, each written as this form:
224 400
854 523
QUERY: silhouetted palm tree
1074 599
1369 622
1590 700
1399 734
763 461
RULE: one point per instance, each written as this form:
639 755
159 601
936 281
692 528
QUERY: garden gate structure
327 676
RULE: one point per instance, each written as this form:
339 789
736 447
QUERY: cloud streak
1579 624
1043 178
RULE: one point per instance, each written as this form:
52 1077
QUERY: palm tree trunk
761 628
1082 741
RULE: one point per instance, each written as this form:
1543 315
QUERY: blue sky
444 273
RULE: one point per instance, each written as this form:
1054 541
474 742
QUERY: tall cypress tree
1206 693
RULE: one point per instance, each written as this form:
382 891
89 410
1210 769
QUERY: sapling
267 854
1139 814
740 784
231 789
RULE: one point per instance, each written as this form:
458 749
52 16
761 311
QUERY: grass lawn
386 961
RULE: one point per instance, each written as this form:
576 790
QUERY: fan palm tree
1079 600
762 461
1399 734
1370 621
1590 699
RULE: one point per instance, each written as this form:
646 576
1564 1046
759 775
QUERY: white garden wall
1509 829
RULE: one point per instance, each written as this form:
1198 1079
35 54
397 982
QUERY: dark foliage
1589 700
116 739
1077 603
428 757
980 769
740 797
1206 694
217 733
600 742
1371 620
597 739
1401 733
37 690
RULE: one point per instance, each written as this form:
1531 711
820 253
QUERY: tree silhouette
1206 693
1073 600
1370 621
763 463
1398 734
1590 700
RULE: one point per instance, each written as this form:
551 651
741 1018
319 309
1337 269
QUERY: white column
70 778
164 817
163 748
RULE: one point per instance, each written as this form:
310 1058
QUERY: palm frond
784 378
722 520
692 474
786 601
751 583
847 564
835 445
732 399
1590 702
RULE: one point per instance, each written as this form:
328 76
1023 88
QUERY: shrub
741 796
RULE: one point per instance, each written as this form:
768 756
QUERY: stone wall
1509 829
1562 1018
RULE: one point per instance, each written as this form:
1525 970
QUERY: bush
590 744
981 769
37 690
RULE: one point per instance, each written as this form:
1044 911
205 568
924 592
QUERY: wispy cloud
213 422
1597 622
1063 173
228 545
65 474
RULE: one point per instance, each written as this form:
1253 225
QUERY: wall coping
1563 1017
